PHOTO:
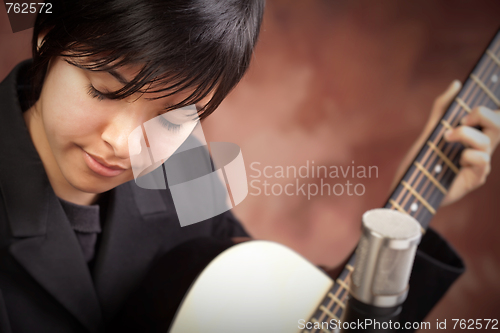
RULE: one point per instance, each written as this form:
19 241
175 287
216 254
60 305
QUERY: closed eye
94 93
168 125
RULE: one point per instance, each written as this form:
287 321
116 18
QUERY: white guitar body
252 287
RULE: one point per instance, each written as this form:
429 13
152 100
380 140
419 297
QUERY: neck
427 180
431 174
60 185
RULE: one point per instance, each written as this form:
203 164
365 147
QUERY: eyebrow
111 71
117 76
123 81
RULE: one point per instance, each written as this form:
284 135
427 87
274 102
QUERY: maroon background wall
341 81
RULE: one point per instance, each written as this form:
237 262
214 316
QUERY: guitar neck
429 177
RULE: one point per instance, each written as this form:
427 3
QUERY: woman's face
83 138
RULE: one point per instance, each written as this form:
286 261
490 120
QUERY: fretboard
429 177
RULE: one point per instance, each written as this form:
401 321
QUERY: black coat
45 283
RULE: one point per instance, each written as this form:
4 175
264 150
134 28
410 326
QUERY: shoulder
16 80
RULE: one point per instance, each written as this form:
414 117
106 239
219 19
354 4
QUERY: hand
475 159
479 146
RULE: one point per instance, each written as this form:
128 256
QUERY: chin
95 185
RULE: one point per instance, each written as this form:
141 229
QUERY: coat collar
45 244
56 262
23 180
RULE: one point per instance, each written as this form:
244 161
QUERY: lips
100 167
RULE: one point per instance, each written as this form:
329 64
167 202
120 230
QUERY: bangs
203 46
152 78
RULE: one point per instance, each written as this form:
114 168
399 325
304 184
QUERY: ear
40 40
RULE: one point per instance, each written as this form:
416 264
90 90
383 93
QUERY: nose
120 127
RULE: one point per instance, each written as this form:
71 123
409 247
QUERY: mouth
99 166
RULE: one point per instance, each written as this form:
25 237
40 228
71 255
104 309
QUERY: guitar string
477 101
340 296
453 150
405 195
337 307
337 294
427 160
339 290
450 150
475 91
456 148
433 155
428 152
441 174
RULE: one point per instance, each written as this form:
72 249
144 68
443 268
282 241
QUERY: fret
493 57
397 206
431 178
419 197
485 89
443 157
328 312
454 152
343 284
446 124
335 297
463 104
494 84
432 172
439 173
336 300
342 277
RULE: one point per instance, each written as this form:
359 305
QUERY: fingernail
456 84
483 108
447 134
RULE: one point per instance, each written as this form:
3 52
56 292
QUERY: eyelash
94 93
170 126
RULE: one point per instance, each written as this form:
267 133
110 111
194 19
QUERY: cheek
162 144
68 112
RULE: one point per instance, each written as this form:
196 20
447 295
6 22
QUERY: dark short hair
205 45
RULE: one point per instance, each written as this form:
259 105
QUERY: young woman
77 235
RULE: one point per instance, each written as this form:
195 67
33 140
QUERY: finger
469 137
478 162
488 119
445 99
467 180
475 167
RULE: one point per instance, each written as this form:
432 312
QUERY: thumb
445 99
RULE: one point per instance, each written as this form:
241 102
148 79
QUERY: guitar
261 286
281 287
